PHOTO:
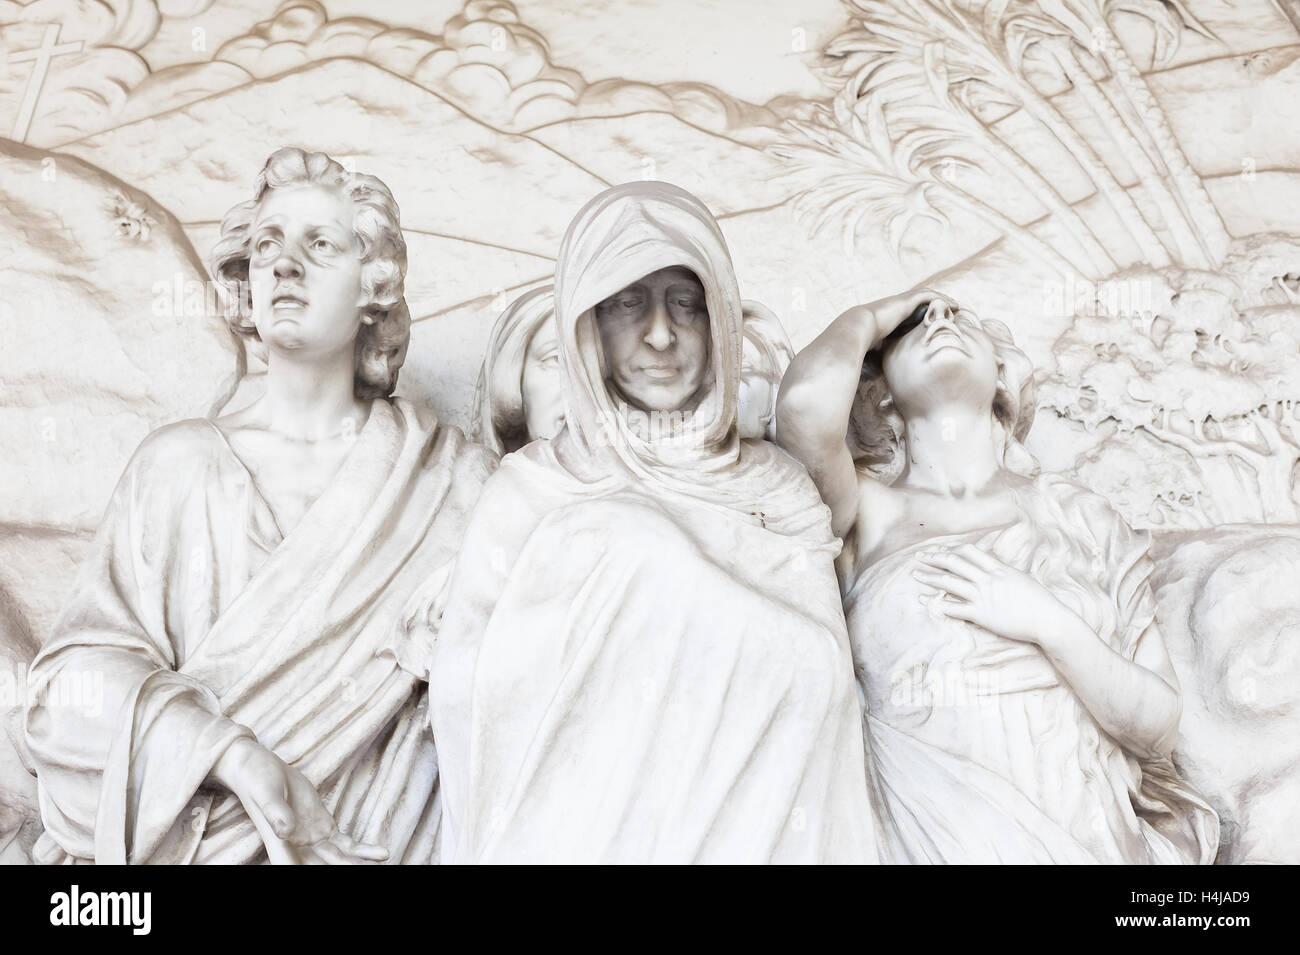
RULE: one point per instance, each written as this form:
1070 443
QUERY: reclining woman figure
1020 703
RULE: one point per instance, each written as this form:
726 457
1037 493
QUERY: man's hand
294 824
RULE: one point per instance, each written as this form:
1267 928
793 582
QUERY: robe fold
643 656
979 752
200 625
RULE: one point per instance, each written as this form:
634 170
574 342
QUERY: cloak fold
202 626
643 655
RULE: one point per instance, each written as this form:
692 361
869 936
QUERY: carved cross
41 56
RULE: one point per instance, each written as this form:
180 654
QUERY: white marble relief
1115 182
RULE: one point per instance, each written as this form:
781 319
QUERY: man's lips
658 371
287 299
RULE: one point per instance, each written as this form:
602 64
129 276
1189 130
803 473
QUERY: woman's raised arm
817 394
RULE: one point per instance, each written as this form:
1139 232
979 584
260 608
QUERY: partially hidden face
542 385
656 339
757 399
305 271
946 359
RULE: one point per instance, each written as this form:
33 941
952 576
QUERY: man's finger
280 816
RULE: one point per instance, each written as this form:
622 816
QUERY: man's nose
659 333
287 265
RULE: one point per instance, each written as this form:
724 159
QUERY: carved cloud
486 60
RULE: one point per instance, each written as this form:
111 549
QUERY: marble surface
1123 193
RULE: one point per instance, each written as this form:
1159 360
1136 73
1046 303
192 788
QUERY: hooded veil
500 423
643 655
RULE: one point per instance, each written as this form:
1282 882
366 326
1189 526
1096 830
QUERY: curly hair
877 433
381 345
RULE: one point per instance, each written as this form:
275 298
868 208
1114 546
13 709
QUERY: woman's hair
877 434
381 345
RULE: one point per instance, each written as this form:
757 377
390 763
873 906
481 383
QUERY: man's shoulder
179 445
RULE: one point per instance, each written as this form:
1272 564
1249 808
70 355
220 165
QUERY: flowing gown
978 751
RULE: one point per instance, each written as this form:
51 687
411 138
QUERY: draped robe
201 624
979 751
643 656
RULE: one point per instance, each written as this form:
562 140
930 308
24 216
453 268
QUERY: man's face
656 338
305 271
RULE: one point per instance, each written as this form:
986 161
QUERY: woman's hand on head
893 311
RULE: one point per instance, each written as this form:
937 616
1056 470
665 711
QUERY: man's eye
324 245
267 247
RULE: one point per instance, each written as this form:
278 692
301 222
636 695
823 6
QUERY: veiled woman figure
1020 702
519 396
643 656
245 598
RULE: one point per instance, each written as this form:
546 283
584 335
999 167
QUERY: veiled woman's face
946 359
305 271
656 338
541 385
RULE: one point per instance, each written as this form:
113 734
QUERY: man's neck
312 400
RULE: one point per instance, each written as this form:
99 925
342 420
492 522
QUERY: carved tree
1126 107
867 175
1201 378
944 71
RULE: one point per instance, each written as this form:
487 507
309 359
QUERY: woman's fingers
960 611
948 583
979 558
953 563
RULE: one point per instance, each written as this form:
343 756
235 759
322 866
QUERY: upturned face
656 338
305 271
542 385
946 359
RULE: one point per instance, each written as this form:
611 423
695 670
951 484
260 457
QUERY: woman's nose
659 333
939 310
